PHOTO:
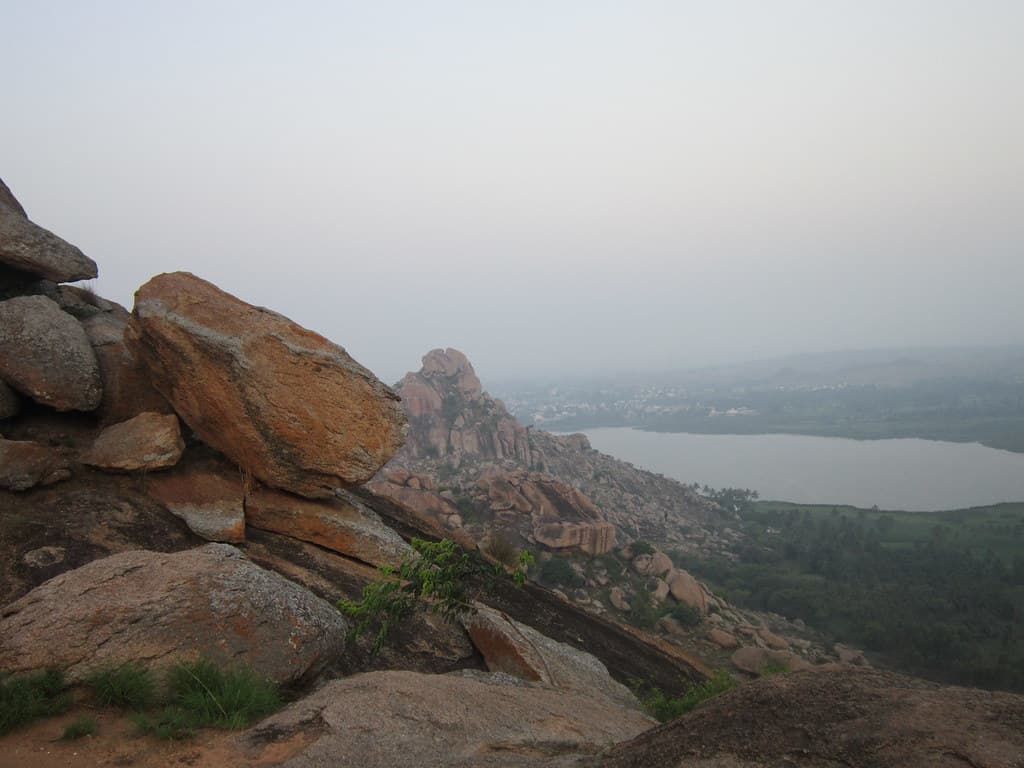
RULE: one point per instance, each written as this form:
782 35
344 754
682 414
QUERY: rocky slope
184 480
475 473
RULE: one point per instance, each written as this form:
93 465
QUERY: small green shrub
24 698
665 708
559 572
641 547
79 727
686 615
770 668
502 549
130 686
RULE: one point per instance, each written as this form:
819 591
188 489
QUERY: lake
904 474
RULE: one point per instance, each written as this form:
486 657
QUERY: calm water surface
894 474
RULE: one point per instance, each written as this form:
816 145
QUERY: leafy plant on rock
436 575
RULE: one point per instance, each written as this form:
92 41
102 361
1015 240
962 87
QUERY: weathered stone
618 599
410 720
852 656
755 660
10 403
591 538
282 402
28 247
772 640
671 627
146 442
723 639
158 609
519 650
44 557
24 464
127 391
210 499
838 716
343 524
45 354
686 589
660 591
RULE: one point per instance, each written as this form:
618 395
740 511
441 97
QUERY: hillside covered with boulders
204 479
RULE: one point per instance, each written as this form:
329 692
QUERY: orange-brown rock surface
145 442
24 464
209 496
281 401
344 524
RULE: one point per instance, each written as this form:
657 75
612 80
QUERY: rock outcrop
451 416
839 716
208 495
397 719
44 353
282 402
157 609
28 248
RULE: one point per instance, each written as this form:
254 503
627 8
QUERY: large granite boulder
27 247
282 402
157 609
397 719
45 354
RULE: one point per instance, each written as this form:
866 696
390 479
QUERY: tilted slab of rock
44 353
343 524
210 499
158 609
24 464
281 401
519 650
30 248
406 719
686 589
146 442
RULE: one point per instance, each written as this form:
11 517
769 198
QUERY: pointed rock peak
9 201
452 364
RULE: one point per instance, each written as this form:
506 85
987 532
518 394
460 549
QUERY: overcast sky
551 186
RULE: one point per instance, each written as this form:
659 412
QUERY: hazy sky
549 186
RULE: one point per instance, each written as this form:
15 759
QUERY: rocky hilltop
189 479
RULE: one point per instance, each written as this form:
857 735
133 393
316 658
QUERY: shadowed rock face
46 355
280 401
837 716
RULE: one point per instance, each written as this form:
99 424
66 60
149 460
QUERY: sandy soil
116 744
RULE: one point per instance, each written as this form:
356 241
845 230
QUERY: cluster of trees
935 607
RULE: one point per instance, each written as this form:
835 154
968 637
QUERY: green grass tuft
203 695
24 698
129 686
79 727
